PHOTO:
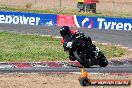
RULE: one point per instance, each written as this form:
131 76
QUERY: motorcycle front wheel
80 57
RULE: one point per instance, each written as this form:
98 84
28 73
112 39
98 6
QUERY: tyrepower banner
28 18
95 22
69 20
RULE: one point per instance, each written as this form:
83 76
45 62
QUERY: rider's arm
62 40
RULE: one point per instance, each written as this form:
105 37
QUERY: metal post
35 1
10 3
85 7
113 6
60 3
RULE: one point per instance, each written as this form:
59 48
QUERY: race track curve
110 36
115 66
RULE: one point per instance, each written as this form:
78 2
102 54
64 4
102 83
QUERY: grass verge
19 47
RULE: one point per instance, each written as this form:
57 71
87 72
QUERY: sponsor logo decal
113 24
83 22
74 21
14 19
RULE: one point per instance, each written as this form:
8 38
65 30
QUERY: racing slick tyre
80 58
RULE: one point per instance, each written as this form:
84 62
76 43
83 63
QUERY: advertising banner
92 22
28 18
95 22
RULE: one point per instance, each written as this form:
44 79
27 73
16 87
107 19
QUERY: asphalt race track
108 36
124 66
67 70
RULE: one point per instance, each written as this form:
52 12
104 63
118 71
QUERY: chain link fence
104 6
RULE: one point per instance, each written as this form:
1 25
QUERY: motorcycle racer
70 34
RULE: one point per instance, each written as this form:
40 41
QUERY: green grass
70 12
19 47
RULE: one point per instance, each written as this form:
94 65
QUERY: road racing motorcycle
80 50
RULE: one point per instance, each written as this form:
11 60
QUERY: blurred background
118 7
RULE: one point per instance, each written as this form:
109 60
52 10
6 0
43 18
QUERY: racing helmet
64 30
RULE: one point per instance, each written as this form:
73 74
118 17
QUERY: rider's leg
95 52
94 47
89 40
